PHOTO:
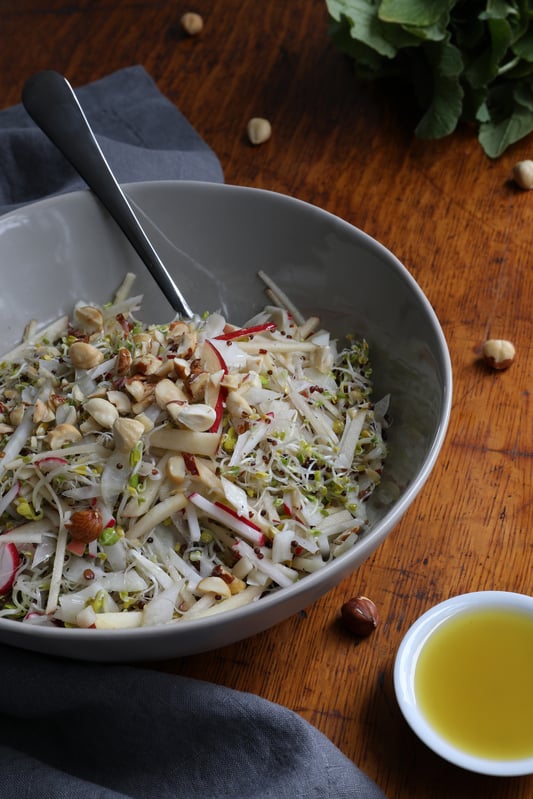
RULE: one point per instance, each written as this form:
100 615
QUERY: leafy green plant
464 60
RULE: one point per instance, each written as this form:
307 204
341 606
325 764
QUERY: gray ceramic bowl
60 250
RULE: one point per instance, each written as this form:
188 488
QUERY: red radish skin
236 515
76 547
224 513
219 410
209 352
9 563
243 332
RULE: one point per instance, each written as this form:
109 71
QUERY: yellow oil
474 683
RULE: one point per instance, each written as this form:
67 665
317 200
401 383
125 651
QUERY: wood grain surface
462 228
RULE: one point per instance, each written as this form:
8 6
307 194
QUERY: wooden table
461 227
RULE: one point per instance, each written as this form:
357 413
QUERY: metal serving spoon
50 101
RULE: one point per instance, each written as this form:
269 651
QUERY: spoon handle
50 101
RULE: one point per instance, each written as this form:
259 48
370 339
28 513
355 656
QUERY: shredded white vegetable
152 474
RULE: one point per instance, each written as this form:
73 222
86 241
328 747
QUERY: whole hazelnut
360 615
523 174
259 130
498 353
192 23
85 525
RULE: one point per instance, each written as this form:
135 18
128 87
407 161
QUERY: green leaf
445 108
348 9
499 9
483 113
364 24
430 33
515 73
444 112
368 63
468 35
524 46
446 58
474 104
463 59
523 94
416 13
496 137
485 68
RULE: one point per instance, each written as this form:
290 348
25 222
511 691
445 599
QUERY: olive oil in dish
474 682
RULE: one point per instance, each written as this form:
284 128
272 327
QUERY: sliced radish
48 464
238 516
9 563
228 353
214 362
219 410
230 518
38 619
246 331
76 547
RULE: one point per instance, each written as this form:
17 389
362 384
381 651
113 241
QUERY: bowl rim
404 672
378 531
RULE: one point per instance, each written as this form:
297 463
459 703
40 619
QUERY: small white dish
468 732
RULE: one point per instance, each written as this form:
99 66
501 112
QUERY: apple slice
212 358
215 394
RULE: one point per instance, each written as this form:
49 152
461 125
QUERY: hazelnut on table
523 174
360 615
498 353
259 130
192 23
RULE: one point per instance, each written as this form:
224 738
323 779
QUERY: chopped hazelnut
84 356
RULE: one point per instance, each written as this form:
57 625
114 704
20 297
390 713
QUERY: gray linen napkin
85 731
142 134
71 730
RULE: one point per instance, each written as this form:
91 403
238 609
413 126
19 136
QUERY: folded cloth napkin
71 730
142 134
87 731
